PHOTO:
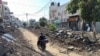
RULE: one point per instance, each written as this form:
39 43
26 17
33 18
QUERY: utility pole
27 18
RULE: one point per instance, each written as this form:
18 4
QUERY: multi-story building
6 13
58 14
15 22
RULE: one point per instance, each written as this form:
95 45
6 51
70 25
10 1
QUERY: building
6 16
32 22
6 13
15 22
57 12
59 15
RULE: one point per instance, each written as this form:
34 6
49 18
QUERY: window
58 4
52 3
5 8
58 14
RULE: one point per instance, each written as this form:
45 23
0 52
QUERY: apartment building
59 16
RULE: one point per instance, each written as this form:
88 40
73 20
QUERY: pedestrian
87 27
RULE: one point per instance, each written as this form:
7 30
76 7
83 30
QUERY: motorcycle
42 44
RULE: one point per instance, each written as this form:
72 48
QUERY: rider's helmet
41 34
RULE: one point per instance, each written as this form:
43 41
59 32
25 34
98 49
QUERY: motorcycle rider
41 38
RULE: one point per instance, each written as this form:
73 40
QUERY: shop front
73 22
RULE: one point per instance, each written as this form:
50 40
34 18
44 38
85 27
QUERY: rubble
73 41
70 48
13 44
8 37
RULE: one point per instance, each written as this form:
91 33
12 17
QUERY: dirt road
50 51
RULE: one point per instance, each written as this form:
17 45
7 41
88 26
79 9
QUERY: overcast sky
20 7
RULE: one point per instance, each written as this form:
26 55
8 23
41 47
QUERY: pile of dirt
20 47
72 44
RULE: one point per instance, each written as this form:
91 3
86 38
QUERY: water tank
58 4
52 3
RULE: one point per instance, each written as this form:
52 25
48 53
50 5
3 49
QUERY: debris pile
13 44
72 41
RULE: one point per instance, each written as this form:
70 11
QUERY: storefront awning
57 21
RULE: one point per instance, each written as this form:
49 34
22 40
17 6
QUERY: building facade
58 14
6 13
15 22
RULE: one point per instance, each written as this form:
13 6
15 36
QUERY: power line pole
27 18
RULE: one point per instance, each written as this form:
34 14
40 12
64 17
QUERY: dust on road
50 50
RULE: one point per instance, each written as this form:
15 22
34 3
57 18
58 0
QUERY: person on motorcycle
41 37
41 41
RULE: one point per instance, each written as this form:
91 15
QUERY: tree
24 24
89 10
51 27
43 21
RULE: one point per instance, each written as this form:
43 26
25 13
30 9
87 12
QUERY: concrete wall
98 27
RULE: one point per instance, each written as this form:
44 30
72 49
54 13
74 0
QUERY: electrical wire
45 6
24 4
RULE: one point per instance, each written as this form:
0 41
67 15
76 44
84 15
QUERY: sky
21 7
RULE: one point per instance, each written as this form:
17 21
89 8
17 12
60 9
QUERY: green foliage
73 4
24 24
43 22
96 12
51 27
43 19
89 9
